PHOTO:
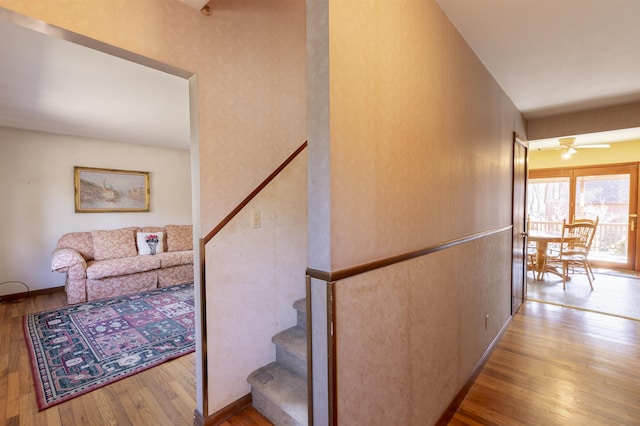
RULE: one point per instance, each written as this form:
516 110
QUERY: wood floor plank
13 394
248 417
142 399
558 366
52 417
553 366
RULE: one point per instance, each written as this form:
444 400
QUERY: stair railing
203 242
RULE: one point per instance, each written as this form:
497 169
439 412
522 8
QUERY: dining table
542 239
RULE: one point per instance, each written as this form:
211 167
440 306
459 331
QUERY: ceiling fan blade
599 145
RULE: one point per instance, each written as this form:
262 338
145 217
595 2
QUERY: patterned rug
82 347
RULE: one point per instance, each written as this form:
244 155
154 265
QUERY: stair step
291 350
279 394
301 307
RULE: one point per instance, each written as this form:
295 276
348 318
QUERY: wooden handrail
377 264
253 193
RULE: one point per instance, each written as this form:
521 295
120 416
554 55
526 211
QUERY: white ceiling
557 56
52 85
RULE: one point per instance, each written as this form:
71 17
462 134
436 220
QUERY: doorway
187 84
608 192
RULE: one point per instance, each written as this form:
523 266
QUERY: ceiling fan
569 146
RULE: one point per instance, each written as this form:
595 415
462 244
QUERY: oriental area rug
83 347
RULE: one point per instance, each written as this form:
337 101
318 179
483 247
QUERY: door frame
520 171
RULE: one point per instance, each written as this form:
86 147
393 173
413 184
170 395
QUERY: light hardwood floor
164 395
553 366
559 366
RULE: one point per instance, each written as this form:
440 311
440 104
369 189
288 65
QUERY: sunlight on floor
613 293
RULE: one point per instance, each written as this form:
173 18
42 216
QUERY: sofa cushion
79 241
98 269
179 237
175 258
114 244
150 242
120 285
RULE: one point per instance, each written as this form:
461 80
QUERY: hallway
559 366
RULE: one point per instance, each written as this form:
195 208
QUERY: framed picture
106 190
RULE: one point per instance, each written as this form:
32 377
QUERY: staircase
279 389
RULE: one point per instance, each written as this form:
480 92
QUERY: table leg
541 253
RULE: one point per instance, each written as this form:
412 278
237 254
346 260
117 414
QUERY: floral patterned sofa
107 263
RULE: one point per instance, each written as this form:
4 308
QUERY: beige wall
410 145
590 121
415 149
420 133
164 30
409 335
249 59
252 105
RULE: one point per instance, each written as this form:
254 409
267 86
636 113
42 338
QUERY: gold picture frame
109 190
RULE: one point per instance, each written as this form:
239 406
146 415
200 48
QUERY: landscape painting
107 190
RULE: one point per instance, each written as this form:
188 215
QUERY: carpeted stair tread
279 394
301 310
300 305
291 349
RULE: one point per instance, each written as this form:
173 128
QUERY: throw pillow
150 242
179 237
114 244
157 229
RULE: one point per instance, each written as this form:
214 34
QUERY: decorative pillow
179 237
114 244
157 229
150 242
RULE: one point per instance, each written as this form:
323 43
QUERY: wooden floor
559 366
164 395
553 366
249 417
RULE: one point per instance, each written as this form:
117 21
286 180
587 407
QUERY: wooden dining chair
531 252
594 222
574 249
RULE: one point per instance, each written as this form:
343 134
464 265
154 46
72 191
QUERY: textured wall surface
164 30
252 105
421 324
589 121
420 133
252 289
415 150
249 57
252 98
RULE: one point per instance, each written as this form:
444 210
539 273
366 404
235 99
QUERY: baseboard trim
17 296
224 414
450 411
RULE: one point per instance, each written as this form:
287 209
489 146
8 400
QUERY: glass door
607 192
610 193
548 202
